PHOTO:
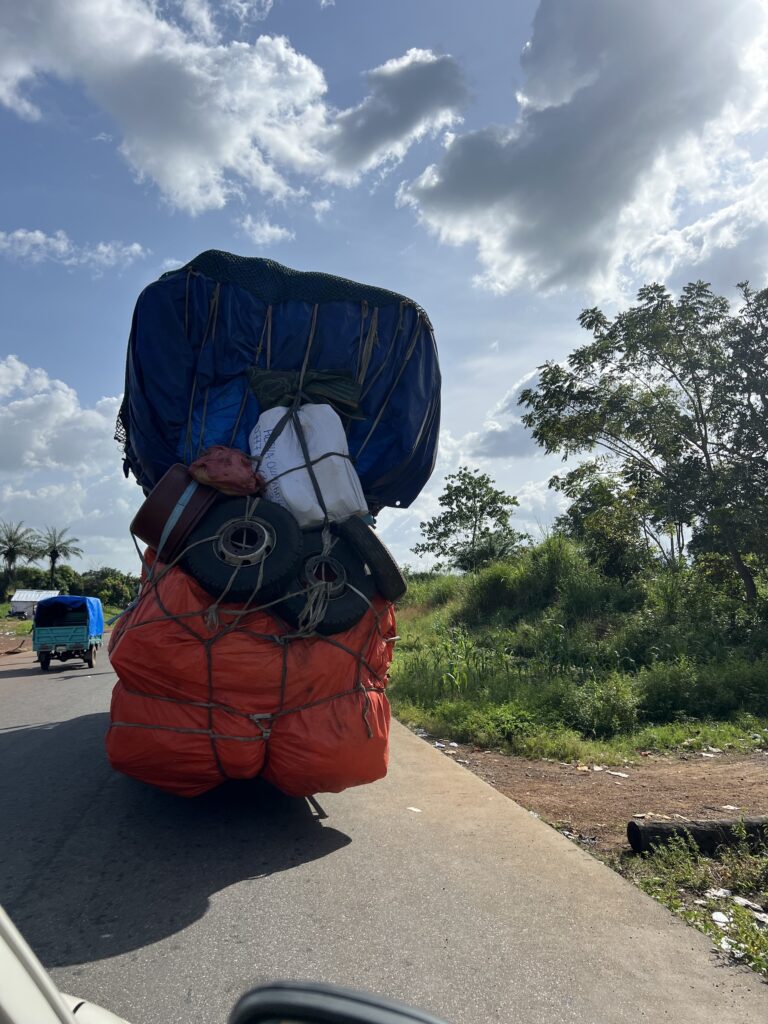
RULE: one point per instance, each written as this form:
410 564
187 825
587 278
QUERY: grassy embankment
546 657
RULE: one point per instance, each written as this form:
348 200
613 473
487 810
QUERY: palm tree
17 543
54 544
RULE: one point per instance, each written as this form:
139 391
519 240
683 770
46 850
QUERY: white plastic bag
339 483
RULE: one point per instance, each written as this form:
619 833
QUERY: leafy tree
66 578
473 527
609 519
54 544
676 394
17 544
110 585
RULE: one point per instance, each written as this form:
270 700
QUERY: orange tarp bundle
201 699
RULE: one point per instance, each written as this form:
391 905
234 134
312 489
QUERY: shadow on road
93 864
8 671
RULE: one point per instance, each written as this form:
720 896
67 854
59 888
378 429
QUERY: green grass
512 730
680 877
545 657
19 627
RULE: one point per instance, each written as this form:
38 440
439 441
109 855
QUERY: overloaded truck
269 416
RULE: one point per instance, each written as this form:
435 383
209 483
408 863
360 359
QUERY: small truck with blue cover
68 626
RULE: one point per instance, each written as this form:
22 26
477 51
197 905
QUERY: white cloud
320 208
411 96
261 232
199 17
327 3
503 435
60 465
539 505
248 11
632 149
201 119
34 246
44 426
206 119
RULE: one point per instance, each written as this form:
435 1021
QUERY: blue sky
504 164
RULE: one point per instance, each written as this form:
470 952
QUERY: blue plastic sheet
193 338
47 607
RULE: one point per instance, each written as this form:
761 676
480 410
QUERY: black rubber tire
389 581
45 661
344 609
204 562
90 658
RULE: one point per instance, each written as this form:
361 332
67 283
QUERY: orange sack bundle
202 697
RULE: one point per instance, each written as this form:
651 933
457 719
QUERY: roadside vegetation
548 657
723 896
639 625
641 621
114 588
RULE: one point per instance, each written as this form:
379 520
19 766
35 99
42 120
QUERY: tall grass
548 646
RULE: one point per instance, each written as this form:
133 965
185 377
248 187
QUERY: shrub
432 591
508 591
713 690
668 690
598 707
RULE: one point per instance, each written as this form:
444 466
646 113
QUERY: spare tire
389 581
351 586
243 548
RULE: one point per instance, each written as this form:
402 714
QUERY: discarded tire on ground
350 586
388 579
244 549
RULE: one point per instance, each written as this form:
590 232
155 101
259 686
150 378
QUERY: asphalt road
428 886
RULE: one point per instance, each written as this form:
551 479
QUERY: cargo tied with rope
261 639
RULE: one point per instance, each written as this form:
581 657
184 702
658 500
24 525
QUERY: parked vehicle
67 627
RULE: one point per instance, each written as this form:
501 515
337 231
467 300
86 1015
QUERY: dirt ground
10 642
594 806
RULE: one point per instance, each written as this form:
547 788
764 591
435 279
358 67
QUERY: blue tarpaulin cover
196 331
47 609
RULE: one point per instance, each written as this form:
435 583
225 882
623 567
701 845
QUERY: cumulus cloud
409 97
320 207
205 118
262 232
248 11
44 426
34 246
633 117
538 506
503 435
204 18
60 465
200 19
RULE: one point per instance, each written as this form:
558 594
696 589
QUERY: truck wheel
351 587
45 661
384 569
240 543
90 658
